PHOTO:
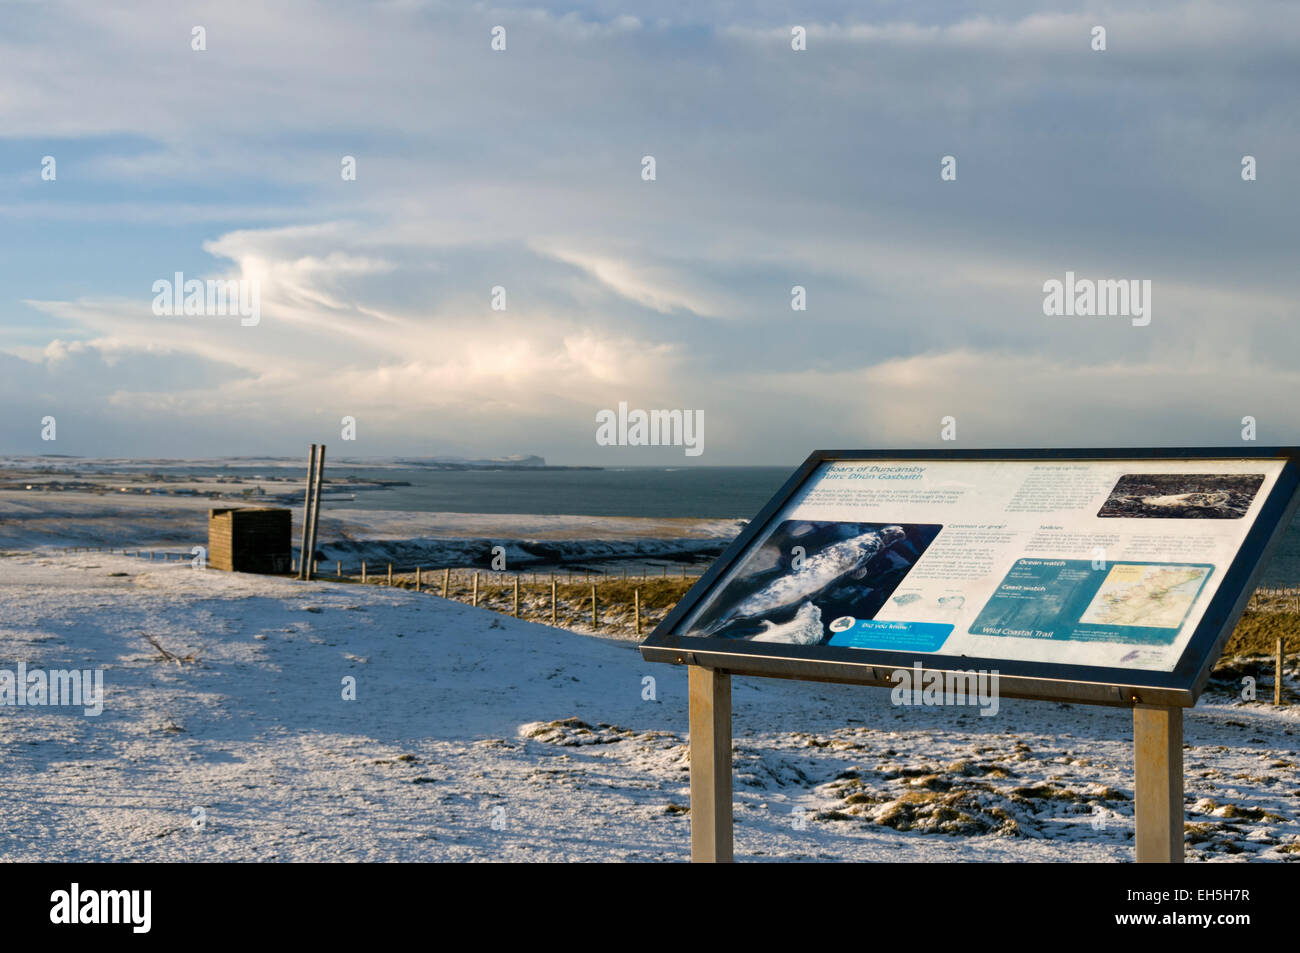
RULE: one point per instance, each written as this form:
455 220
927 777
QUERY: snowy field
474 736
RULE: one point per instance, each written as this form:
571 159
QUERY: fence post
475 594
1277 674
636 607
446 578
390 574
516 597
595 623
552 598
417 578
363 572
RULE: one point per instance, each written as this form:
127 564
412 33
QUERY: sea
696 492
690 492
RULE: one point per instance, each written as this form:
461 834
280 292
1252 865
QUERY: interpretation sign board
1104 576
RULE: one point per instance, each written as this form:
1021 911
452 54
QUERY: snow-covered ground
474 736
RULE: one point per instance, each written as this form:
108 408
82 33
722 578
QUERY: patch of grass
1257 633
1198 833
832 816
1249 813
954 812
576 723
1046 791
931 782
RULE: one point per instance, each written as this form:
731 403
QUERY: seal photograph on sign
1213 496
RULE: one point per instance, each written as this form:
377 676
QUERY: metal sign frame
1017 679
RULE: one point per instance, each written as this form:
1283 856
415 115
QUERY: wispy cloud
522 170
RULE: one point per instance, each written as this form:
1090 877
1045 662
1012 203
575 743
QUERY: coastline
36 519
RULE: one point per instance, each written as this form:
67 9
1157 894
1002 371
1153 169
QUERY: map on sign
1158 596
1092 562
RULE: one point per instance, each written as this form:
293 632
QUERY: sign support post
1158 784
710 743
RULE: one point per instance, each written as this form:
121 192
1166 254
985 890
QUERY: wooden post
315 567
417 578
553 609
710 714
315 510
516 597
636 608
595 623
1158 784
475 593
1277 674
390 574
363 572
446 578
338 569
306 512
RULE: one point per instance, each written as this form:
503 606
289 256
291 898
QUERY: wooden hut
250 539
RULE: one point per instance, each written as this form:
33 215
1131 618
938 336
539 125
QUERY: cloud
522 170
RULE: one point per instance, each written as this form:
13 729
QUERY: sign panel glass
1108 563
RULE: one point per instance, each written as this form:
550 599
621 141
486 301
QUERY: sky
522 169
